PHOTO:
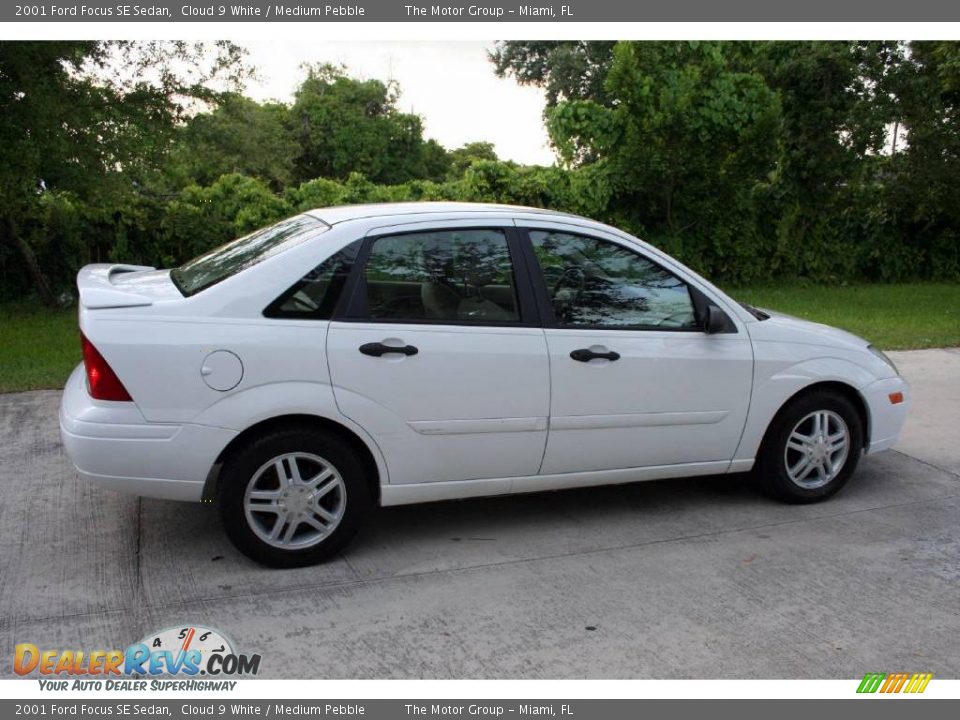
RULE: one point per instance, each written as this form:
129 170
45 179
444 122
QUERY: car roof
346 213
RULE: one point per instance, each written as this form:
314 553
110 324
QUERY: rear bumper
113 445
886 419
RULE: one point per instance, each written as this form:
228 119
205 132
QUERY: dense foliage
750 161
764 160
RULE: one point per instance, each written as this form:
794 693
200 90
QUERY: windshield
222 262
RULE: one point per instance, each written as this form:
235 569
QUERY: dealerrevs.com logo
177 652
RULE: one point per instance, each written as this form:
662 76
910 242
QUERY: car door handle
586 355
379 349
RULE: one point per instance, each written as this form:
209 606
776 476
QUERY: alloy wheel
295 501
817 449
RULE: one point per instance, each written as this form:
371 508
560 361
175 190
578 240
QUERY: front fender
775 383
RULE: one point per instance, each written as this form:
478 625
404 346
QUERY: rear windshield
222 262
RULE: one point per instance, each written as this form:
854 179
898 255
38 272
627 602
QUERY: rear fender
247 408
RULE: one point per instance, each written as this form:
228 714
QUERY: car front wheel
811 449
292 497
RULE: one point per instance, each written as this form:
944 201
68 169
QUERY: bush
748 236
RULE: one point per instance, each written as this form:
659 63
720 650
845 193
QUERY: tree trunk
30 260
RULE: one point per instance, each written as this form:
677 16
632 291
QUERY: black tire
240 470
771 471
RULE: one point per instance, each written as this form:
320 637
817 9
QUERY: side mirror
716 320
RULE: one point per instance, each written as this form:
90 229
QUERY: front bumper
112 444
886 418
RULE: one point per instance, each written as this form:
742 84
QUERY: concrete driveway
684 578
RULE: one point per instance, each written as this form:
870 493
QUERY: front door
635 381
439 359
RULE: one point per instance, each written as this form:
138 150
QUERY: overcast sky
451 85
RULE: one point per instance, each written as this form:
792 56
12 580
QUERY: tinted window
226 260
315 295
596 283
451 275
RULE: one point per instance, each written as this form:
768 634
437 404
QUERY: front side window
595 283
222 262
449 275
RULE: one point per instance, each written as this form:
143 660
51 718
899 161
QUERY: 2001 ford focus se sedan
390 354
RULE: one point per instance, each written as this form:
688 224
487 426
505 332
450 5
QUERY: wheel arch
299 421
839 387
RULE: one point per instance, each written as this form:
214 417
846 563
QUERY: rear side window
315 295
456 276
222 262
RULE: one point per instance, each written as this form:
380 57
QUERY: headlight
883 356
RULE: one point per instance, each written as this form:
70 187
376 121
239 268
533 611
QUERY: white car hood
787 328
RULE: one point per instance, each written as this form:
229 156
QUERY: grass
39 347
906 316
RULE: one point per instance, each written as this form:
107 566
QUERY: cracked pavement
697 578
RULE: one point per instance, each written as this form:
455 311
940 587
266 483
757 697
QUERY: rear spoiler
98 291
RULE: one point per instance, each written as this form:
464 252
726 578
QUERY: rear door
439 354
636 382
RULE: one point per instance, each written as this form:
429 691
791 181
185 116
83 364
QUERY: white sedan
405 353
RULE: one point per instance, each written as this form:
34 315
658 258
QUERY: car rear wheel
811 449
293 497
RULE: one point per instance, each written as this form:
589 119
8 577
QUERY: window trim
698 299
352 306
273 309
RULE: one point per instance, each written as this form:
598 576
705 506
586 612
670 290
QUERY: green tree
926 174
345 125
463 157
565 69
201 218
82 118
239 136
684 141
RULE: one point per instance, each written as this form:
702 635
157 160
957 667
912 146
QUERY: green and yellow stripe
894 682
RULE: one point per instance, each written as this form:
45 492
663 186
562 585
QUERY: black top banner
413 11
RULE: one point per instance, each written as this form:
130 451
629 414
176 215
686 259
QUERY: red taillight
102 381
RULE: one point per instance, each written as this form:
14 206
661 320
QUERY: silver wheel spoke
294 471
325 514
836 442
277 527
313 522
266 507
282 473
798 442
802 469
325 489
316 480
264 501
